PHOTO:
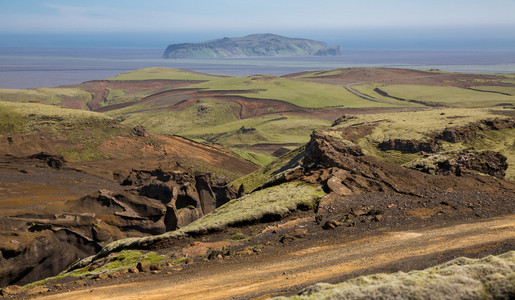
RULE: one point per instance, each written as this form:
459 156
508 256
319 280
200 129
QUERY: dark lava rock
143 267
187 197
463 162
53 161
244 129
140 131
215 254
408 146
331 224
286 238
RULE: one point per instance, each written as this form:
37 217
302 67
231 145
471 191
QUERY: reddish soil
30 184
99 89
404 76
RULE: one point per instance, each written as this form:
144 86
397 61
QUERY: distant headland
249 46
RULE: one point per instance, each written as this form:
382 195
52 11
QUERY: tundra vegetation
486 278
314 138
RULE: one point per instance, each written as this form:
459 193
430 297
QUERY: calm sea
48 67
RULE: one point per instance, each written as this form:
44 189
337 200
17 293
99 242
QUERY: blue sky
196 20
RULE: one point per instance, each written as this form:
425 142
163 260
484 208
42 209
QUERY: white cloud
266 15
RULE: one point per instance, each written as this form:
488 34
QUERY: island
251 46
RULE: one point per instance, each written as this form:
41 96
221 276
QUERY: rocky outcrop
408 146
51 160
187 197
463 162
343 169
251 45
450 135
35 246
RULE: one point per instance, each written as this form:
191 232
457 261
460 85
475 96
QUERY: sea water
25 67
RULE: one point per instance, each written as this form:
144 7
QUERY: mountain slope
251 45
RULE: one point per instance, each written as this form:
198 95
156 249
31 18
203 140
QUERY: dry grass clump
492 277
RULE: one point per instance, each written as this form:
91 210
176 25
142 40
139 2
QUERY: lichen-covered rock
462 162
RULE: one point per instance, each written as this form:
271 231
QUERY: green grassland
118 96
499 89
84 130
320 74
52 96
268 129
215 122
368 90
206 113
417 124
447 95
164 73
259 159
29 117
300 93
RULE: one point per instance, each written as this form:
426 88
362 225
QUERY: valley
256 186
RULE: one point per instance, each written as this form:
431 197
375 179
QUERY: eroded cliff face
38 245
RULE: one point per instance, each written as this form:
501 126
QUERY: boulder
51 160
143 267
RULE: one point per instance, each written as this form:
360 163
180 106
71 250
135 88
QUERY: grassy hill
81 136
261 116
66 97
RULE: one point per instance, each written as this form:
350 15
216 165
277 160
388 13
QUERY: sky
457 23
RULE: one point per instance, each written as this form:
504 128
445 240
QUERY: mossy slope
492 277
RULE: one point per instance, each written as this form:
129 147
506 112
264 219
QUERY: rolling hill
390 170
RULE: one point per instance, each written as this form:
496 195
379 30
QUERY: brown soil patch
404 76
200 248
99 89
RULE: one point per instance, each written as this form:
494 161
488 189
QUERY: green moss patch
492 277
268 204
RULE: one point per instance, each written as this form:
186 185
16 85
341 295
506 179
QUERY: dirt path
268 275
350 89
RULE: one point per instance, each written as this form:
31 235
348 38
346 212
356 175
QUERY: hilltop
251 45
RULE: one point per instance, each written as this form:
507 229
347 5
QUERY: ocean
22 68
